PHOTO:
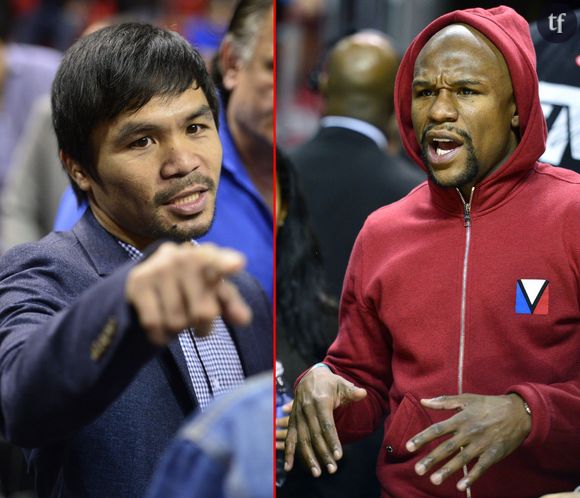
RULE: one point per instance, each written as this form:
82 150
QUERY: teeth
442 140
441 152
185 200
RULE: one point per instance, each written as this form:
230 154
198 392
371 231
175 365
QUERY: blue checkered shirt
212 361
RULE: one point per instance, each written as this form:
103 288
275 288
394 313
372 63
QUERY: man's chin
186 233
194 229
446 179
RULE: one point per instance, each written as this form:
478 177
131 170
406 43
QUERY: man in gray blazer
110 336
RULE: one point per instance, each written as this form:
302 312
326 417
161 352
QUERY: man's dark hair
242 34
5 19
119 69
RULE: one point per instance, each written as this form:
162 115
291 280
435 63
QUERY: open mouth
444 146
188 199
441 150
189 203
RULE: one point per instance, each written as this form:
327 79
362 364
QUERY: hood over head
510 33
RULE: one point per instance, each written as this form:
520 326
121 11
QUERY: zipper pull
466 207
466 215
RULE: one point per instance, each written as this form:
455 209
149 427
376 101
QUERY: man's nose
443 108
179 158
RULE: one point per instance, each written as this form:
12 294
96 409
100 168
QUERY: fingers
306 450
444 450
311 427
433 432
458 402
183 286
234 308
290 443
485 461
487 429
349 393
282 422
150 314
281 431
321 435
463 455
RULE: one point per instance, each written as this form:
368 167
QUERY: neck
116 230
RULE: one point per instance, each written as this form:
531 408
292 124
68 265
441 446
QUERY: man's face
158 169
250 107
463 110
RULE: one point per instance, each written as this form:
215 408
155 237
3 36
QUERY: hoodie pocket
409 419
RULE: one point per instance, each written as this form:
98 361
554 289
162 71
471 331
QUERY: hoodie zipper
467 225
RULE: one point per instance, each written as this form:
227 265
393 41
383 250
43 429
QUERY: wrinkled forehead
459 47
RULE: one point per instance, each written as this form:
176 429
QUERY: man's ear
75 171
229 65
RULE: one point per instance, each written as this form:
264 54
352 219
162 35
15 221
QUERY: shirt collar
134 253
358 125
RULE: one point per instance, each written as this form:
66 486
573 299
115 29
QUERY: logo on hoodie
532 296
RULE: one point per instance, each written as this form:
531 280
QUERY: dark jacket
345 177
81 387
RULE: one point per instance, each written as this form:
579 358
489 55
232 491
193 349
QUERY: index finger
433 432
323 438
217 262
290 442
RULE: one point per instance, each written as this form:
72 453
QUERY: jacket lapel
107 255
101 248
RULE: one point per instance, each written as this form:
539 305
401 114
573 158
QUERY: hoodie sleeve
555 414
361 353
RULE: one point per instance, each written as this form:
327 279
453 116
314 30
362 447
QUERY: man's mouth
444 146
187 199
442 149
188 203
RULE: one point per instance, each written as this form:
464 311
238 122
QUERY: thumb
348 392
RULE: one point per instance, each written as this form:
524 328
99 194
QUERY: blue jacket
217 454
81 388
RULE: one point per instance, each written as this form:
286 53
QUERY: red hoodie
431 306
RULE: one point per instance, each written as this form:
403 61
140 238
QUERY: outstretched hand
181 286
487 428
311 427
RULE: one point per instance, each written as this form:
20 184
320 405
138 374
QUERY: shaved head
360 77
463 107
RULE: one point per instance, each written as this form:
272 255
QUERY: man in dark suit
345 171
105 347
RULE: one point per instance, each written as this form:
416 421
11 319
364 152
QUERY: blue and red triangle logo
532 296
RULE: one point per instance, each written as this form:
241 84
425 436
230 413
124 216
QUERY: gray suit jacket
81 388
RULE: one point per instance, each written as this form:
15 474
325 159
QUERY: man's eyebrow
133 128
141 127
455 83
203 111
421 83
466 82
